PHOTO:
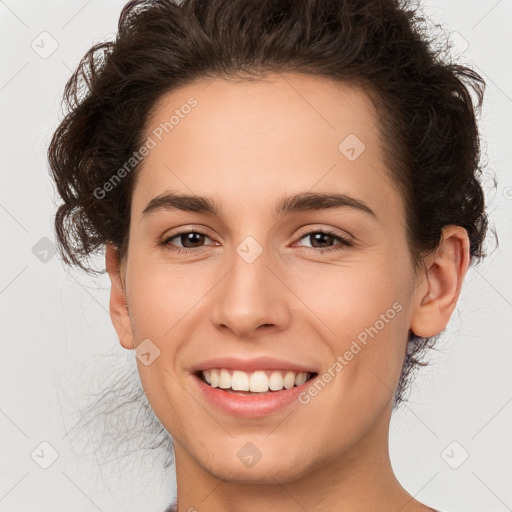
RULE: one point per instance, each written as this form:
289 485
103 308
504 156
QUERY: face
301 269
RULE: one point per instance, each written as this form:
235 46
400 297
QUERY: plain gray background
451 445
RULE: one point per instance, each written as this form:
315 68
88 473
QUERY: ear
436 297
118 304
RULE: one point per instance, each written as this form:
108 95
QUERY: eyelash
179 250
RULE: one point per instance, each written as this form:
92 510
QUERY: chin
268 472
260 461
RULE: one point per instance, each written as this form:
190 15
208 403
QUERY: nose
251 297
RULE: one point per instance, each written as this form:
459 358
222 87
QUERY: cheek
161 295
361 313
350 297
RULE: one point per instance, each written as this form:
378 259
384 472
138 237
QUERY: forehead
248 141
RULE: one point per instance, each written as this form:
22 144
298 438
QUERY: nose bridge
250 295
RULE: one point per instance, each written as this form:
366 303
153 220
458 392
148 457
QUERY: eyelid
302 231
180 230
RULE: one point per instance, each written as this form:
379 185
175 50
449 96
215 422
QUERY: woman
289 200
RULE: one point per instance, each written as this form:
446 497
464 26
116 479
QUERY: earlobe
118 304
445 271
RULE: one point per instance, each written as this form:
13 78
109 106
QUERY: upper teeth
258 381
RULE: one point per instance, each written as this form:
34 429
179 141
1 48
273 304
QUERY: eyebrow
305 201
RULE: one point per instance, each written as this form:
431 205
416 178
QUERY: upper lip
253 364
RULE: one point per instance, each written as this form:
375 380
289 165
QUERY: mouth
259 382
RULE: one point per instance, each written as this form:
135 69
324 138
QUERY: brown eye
319 240
190 240
185 240
324 241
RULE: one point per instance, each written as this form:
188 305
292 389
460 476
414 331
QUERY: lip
251 365
250 406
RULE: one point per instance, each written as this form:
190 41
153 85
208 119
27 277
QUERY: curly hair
427 106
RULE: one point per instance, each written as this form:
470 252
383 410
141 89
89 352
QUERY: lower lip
251 406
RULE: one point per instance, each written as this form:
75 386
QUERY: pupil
190 238
317 239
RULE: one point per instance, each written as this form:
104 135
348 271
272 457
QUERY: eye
192 241
320 238
189 241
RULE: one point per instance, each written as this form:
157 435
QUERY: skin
247 144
